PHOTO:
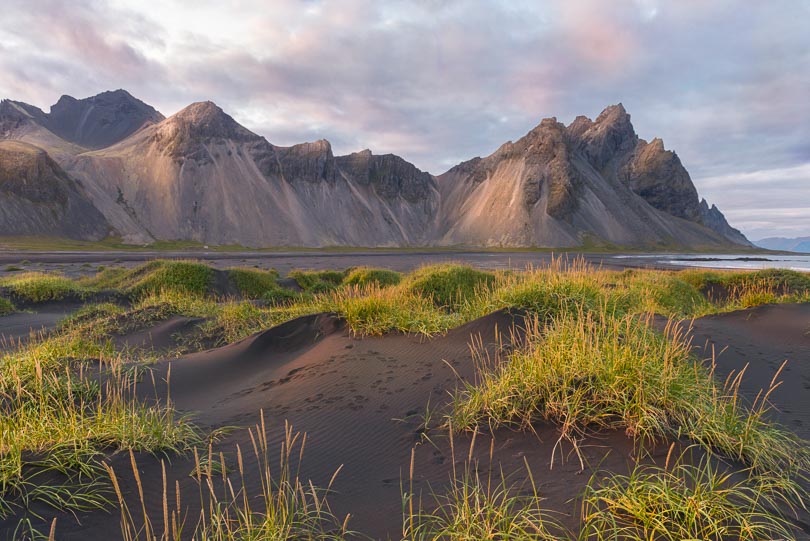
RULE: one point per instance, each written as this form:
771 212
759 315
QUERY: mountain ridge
199 175
788 244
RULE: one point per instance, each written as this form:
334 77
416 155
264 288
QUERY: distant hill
798 244
199 175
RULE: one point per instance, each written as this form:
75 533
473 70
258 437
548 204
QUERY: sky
725 84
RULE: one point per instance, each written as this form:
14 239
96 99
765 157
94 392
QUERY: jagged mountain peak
206 119
101 120
186 133
611 135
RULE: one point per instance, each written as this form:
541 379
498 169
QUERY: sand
362 403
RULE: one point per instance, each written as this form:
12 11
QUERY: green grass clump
547 294
589 370
6 306
40 287
92 314
313 281
374 310
687 501
107 278
181 276
237 320
63 421
449 285
362 276
259 284
743 289
188 277
480 507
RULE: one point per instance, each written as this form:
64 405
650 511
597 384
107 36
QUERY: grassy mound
747 288
159 275
449 285
684 501
321 281
259 284
6 306
362 276
584 371
40 287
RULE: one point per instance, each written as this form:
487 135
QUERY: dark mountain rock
658 176
608 138
99 121
590 180
200 175
388 174
38 198
186 134
308 162
712 218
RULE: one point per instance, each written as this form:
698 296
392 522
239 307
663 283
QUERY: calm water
731 261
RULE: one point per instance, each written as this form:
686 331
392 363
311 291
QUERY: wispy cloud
442 81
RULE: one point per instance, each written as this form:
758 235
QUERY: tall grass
321 281
448 285
685 500
477 506
6 306
374 310
284 508
63 422
585 371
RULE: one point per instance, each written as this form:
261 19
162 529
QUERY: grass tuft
685 501
362 276
41 287
449 285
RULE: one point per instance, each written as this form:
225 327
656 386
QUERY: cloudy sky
725 84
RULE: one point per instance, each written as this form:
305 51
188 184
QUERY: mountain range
111 165
797 244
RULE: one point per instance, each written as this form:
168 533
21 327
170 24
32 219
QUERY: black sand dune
18 327
362 402
763 338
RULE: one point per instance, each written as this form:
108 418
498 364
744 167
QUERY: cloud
443 81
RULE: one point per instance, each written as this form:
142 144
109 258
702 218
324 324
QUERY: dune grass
449 285
478 506
586 371
41 287
6 306
317 281
287 507
260 284
375 310
56 427
590 361
686 500
362 276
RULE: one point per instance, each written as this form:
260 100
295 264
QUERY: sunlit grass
286 507
686 500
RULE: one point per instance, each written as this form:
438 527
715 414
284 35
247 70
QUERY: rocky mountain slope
38 198
592 181
199 175
90 123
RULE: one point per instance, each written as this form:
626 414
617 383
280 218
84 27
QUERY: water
730 261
